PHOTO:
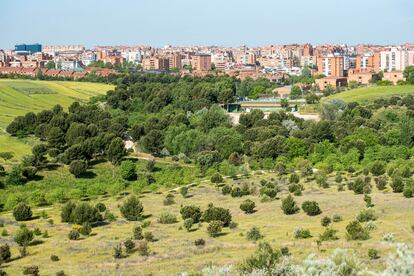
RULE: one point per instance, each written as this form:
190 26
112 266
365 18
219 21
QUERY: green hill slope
368 94
17 97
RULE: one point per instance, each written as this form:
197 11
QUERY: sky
208 22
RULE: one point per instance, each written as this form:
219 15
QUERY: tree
132 209
216 178
78 167
22 212
264 259
188 223
289 206
128 170
409 74
247 206
378 168
23 236
5 254
129 246
214 228
66 212
15 176
355 231
137 233
254 234
213 213
191 211
83 213
311 208
116 151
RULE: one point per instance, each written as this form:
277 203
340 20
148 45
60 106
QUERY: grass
17 97
175 250
371 93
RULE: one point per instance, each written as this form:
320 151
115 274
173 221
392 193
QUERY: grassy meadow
17 97
371 93
174 251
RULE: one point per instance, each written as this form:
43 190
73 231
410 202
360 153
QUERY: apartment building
394 59
201 62
368 62
174 61
331 65
156 63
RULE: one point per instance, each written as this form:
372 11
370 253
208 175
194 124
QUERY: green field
17 97
369 94
174 251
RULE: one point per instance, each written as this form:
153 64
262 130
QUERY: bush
408 190
86 229
226 190
216 178
264 259
199 242
137 233
325 221
184 191
191 211
5 254
284 251
78 167
100 206
214 228
337 218
301 233
167 218
118 251
37 232
60 273
22 212
366 215
132 209
23 236
358 185
32 270
294 178
373 254
129 246
322 180
311 208
236 192
397 183
378 168
338 178
109 216
169 200
66 211
150 166
388 237
127 170
217 214
289 206
143 248
269 192
84 212
254 234
148 236
247 206
355 231
280 168
328 235
188 223
74 235
54 258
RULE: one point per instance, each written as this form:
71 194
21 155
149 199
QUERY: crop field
17 97
174 250
371 93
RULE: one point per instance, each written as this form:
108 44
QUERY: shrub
311 208
74 235
78 167
100 206
188 223
381 182
129 246
4 233
355 231
169 200
236 192
368 201
284 251
397 183
86 229
213 213
378 168
408 190
184 191
294 178
301 233
22 212
143 248
60 273
226 190
54 258
167 218
127 170
233 225
254 234
247 206
216 178
373 254
337 218
32 270
199 242
118 251
338 178
388 237
325 221
45 234
191 211
148 236
137 233
109 216
370 225
289 206
5 254
328 235
66 211
84 212
280 168
214 228
150 165
358 185
269 192
295 187
264 258
23 236
321 180
132 209
366 215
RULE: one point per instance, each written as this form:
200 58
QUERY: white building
394 59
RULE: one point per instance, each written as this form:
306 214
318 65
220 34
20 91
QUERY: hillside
17 97
369 94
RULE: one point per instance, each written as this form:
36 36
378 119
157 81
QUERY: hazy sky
219 22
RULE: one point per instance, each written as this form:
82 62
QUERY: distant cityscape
335 64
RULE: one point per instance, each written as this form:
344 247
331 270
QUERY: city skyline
229 24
